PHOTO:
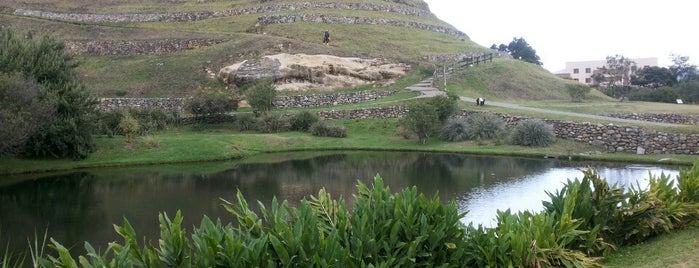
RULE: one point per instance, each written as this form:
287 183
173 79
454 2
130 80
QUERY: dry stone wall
664 117
316 100
322 18
202 15
136 47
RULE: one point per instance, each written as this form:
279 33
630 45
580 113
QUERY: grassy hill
179 73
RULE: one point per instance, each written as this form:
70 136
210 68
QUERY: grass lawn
676 249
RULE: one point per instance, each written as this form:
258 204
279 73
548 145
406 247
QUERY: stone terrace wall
202 15
136 47
166 104
316 100
321 18
664 118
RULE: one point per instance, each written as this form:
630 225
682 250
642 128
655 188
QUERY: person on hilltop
326 37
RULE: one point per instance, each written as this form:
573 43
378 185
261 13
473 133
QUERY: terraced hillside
156 48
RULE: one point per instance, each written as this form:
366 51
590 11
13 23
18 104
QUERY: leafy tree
261 95
520 49
654 77
681 69
617 71
663 94
67 133
578 91
422 119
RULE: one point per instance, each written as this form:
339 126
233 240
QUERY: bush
578 91
302 121
129 126
533 133
245 122
260 95
484 126
322 130
455 129
663 94
149 120
445 106
67 132
212 102
272 123
422 119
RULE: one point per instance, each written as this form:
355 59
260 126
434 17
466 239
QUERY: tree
445 106
688 91
22 113
67 133
681 69
520 49
261 95
618 70
422 119
654 77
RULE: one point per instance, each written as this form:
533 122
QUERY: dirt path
427 91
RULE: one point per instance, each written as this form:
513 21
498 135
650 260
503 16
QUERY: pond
83 206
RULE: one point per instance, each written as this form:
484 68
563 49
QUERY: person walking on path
326 37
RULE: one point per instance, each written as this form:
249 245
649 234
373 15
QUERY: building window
576 70
588 80
588 70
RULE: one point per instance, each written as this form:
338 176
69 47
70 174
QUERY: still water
83 206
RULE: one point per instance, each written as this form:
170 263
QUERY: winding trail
427 91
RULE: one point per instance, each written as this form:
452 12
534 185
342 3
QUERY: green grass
676 249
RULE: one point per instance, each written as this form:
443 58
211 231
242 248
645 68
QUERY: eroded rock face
303 72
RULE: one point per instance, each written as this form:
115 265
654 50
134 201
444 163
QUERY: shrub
322 130
245 122
129 126
149 120
484 126
455 129
445 106
422 119
272 123
67 133
212 102
302 121
532 133
577 91
663 94
260 95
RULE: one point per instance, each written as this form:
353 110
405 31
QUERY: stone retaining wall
664 118
322 18
166 104
202 15
316 100
136 47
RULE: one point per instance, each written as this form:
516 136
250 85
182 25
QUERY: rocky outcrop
303 72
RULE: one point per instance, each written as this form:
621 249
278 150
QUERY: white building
582 71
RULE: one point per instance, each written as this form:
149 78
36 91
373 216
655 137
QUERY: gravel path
427 91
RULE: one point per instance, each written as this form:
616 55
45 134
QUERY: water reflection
83 206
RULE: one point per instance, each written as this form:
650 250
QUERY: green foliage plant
482 126
532 132
208 102
67 133
322 129
445 106
453 130
260 95
577 91
421 119
272 123
662 94
245 122
129 126
303 120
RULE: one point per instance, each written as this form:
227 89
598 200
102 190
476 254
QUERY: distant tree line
519 49
621 78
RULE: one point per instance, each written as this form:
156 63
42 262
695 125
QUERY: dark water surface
83 206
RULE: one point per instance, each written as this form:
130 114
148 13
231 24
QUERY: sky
562 32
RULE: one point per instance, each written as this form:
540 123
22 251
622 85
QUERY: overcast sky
561 32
